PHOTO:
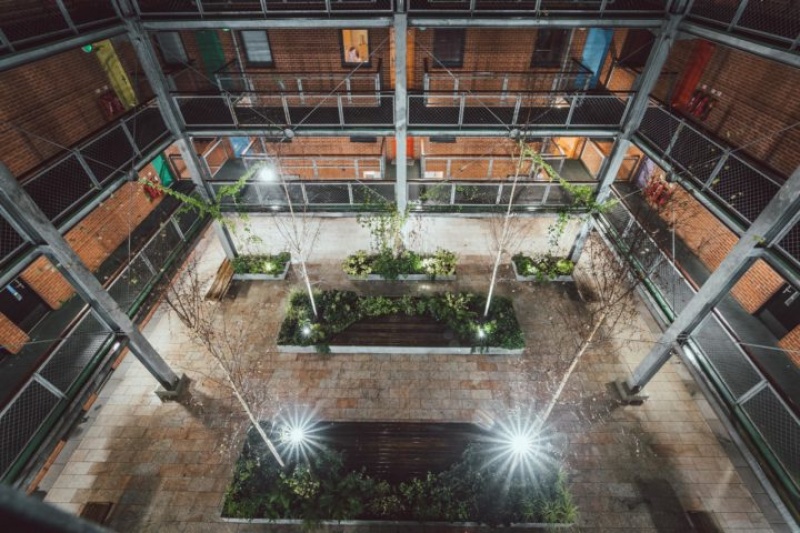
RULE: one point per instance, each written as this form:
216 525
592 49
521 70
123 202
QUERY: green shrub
261 264
394 265
543 267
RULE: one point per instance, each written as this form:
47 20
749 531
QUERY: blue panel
598 41
239 144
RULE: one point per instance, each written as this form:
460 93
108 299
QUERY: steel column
18 206
636 109
169 112
400 111
770 223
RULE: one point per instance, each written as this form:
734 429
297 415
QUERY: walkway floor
166 465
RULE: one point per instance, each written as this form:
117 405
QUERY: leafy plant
543 267
392 266
261 264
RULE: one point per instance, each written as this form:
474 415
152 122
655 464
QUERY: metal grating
205 111
618 216
715 10
162 246
147 127
186 219
89 12
726 357
779 428
75 353
370 194
658 127
791 242
127 288
476 194
743 188
22 419
673 288
695 154
773 17
10 240
59 187
323 193
109 153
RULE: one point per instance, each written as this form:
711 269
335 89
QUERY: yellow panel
117 77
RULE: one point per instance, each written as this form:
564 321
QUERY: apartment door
22 305
212 53
781 313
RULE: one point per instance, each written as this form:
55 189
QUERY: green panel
210 50
164 172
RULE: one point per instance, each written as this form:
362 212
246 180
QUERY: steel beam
413 131
779 212
27 513
17 205
535 22
169 111
40 52
643 85
751 46
400 111
266 24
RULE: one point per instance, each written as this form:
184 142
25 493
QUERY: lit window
355 47
256 47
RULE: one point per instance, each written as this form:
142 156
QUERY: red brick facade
11 337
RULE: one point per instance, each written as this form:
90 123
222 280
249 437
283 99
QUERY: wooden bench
222 281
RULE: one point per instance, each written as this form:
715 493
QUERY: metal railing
72 361
776 20
299 83
251 8
32 22
748 393
540 7
432 195
557 80
459 167
279 110
266 196
569 110
733 181
70 181
339 167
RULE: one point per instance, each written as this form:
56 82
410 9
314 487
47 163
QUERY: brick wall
711 241
757 105
792 342
11 337
53 98
93 239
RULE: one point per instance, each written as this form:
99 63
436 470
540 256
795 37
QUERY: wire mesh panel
675 291
28 23
483 194
147 127
618 216
732 365
597 111
658 127
73 355
162 246
200 111
87 13
21 419
430 193
791 243
186 219
714 10
779 427
742 187
131 283
772 17
108 154
327 193
10 241
362 110
695 154
371 194
185 7
526 194
59 187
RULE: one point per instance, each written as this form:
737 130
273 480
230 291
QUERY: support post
152 70
638 106
400 111
769 225
29 218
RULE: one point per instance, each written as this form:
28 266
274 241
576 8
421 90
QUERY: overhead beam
46 50
400 111
499 131
267 24
751 46
534 22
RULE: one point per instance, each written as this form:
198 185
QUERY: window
448 47
256 47
636 49
550 46
355 47
171 47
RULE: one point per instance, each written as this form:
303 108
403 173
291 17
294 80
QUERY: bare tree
226 342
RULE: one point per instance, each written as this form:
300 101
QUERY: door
22 305
598 41
781 313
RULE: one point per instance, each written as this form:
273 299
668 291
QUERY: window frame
161 54
249 62
348 64
450 63
563 42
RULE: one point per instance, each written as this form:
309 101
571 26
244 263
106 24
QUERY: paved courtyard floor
166 465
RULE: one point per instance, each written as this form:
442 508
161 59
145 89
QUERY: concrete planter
414 350
263 277
409 526
520 277
406 277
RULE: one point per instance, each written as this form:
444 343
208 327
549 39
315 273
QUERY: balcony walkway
166 466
